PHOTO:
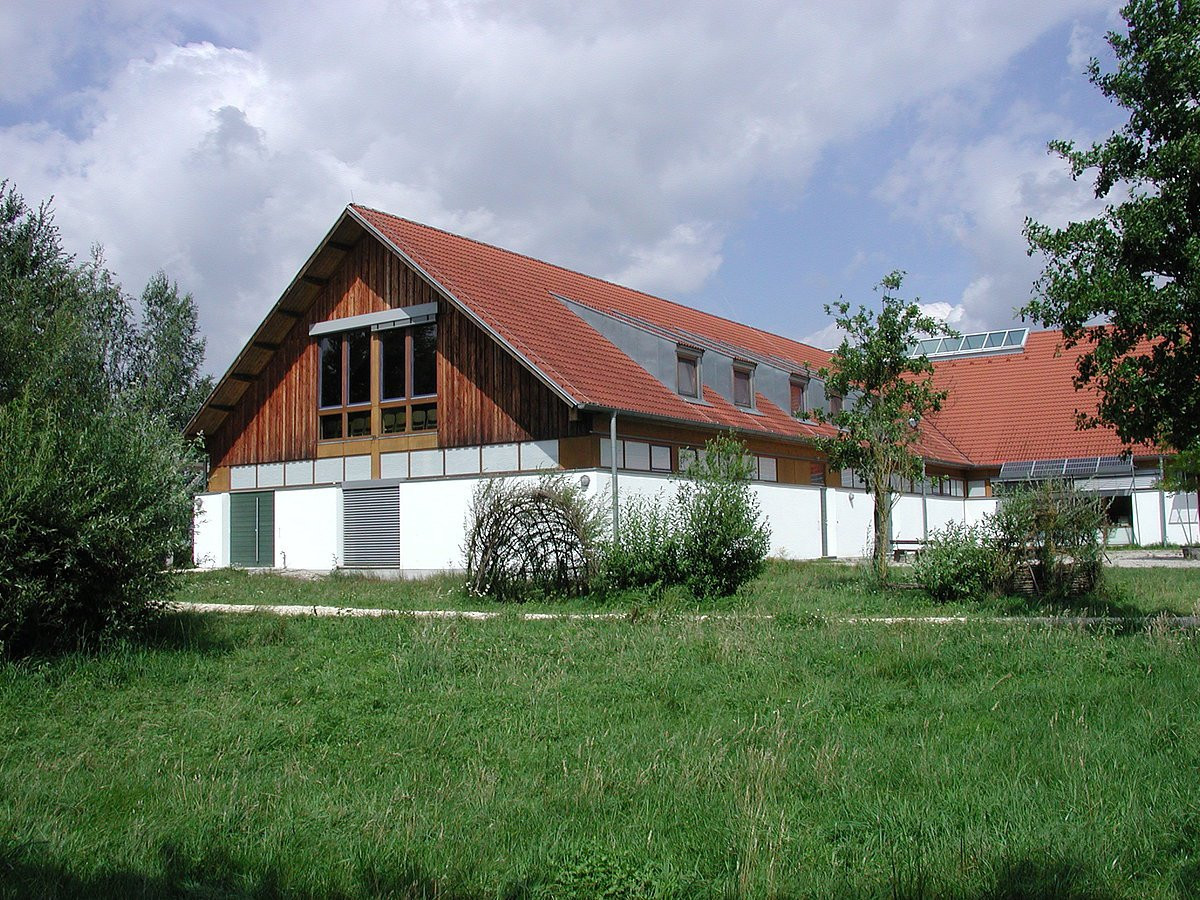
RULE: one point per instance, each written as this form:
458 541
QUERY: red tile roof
1020 406
514 296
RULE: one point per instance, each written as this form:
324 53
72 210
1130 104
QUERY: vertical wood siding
276 418
484 395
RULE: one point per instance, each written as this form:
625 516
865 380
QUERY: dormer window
799 404
687 370
743 385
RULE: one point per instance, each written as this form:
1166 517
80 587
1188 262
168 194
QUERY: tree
171 358
888 392
93 484
1136 266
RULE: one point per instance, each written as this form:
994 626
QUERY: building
404 364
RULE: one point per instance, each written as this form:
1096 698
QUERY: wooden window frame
376 406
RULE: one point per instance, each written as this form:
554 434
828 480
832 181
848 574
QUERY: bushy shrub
1048 540
723 538
957 563
708 536
90 508
647 548
530 538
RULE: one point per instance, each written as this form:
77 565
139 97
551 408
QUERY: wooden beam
338 245
266 345
220 407
314 280
244 379
289 313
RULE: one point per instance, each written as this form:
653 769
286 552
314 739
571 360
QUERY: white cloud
978 193
826 338
617 137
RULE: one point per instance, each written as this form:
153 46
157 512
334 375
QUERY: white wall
433 516
308 528
1182 524
851 515
1147 517
210 522
907 520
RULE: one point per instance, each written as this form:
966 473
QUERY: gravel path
480 615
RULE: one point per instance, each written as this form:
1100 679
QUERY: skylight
980 343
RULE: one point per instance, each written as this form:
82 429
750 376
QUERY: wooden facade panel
275 418
485 396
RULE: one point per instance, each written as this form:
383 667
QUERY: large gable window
377 379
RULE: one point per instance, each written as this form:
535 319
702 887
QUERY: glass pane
424 417
973 341
358 424
686 373
391 364
330 349
392 421
741 387
995 339
331 427
358 384
424 351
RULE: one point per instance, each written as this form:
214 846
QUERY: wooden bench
903 548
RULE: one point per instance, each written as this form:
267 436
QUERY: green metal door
252 529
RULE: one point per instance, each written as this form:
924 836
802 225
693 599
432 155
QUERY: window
743 386
345 382
370 382
687 373
835 404
799 405
816 473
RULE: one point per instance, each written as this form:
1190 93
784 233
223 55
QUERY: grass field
787 588
257 756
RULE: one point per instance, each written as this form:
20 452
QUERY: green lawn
259 756
799 589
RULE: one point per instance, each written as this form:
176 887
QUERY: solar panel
1015 471
1114 465
1047 468
1079 468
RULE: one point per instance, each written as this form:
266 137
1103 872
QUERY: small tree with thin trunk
887 392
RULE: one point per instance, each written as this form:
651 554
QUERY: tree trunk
883 532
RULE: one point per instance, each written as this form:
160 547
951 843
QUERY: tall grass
254 756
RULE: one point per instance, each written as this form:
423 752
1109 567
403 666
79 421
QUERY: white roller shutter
371 527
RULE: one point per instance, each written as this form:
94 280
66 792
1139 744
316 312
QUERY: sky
756 160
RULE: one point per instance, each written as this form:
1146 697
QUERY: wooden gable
485 395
